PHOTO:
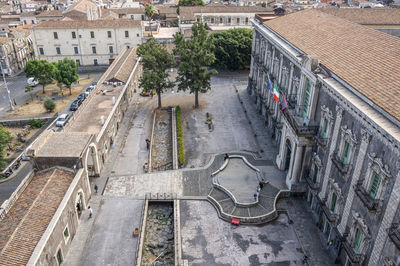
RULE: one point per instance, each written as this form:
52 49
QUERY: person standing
15 102
96 188
147 144
90 212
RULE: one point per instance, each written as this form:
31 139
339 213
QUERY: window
92 34
325 129
374 187
198 19
94 49
66 233
25 22
58 50
212 20
41 51
333 202
357 240
346 152
229 20
109 34
315 175
126 34
111 49
59 257
78 62
247 20
238 20
55 34
33 22
306 99
76 51
220 20
95 62
73 35
137 34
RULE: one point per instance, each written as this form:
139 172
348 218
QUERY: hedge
181 153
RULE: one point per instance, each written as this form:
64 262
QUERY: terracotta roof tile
366 16
366 59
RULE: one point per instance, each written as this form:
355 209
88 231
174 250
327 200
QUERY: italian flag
276 93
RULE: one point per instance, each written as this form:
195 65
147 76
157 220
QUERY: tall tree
41 70
66 72
149 11
5 138
156 61
195 56
233 48
191 3
29 89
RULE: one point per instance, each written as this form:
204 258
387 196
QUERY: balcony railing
323 142
297 124
370 203
343 168
313 185
332 217
394 234
354 257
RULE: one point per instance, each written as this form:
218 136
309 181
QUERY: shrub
49 104
181 153
35 123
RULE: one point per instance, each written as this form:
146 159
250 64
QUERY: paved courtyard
206 239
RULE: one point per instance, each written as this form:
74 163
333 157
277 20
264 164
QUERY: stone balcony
332 217
344 169
322 142
296 122
354 257
394 234
313 185
371 204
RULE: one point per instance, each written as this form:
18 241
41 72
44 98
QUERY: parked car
82 96
32 82
61 120
88 90
74 105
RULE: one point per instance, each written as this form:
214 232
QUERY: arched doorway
288 155
79 204
92 161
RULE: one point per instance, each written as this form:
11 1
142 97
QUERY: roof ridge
26 214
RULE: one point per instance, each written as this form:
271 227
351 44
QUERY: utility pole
5 83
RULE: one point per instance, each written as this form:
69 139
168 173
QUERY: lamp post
5 83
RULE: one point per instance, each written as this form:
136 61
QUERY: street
17 84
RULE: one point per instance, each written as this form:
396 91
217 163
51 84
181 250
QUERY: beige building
95 42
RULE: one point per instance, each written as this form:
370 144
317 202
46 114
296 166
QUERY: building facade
333 113
95 42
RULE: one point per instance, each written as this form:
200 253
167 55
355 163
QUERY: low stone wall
20 122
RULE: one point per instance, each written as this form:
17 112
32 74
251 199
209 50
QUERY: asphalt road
17 84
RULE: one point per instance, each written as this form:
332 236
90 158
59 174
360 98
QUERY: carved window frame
285 78
294 94
334 189
268 63
326 114
359 223
347 136
316 164
376 165
275 68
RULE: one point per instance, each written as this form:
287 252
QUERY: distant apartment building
15 50
220 17
95 42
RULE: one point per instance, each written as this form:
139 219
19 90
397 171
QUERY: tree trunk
43 88
70 91
196 99
159 100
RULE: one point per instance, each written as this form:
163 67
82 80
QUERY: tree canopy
5 137
41 70
66 72
233 48
191 3
195 56
156 61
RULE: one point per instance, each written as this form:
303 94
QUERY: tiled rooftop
101 104
366 59
24 225
187 12
366 16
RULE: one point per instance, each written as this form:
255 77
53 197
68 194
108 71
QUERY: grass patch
181 153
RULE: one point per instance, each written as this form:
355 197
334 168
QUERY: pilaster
335 134
366 138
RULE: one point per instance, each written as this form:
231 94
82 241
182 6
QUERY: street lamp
5 83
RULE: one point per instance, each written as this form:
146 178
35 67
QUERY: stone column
366 137
335 134
279 160
387 221
293 177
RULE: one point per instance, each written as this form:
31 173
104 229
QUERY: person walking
90 212
147 144
15 102
96 188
